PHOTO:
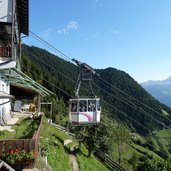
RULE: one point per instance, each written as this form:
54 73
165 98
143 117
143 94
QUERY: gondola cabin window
84 111
74 106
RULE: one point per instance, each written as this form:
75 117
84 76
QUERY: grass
5 135
89 163
165 113
26 128
161 141
51 143
144 151
164 133
23 129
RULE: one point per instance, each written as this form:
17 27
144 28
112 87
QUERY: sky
130 35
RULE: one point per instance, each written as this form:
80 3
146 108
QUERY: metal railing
63 129
108 161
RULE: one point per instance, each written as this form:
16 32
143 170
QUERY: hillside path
74 163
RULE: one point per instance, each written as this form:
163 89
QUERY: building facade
14 22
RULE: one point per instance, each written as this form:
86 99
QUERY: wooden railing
6 146
36 135
5 51
13 145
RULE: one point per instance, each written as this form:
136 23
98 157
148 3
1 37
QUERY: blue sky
130 35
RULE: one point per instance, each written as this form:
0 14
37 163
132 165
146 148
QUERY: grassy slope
91 163
51 143
58 157
161 140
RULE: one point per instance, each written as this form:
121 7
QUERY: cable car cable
98 87
64 75
99 77
48 81
142 112
73 60
102 100
60 52
134 99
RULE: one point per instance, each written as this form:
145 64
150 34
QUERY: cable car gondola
84 110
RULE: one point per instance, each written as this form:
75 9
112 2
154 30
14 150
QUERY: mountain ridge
152 82
161 90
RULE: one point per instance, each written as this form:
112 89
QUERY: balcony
5 52
8 51
6 61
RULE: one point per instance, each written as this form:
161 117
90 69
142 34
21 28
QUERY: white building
14 21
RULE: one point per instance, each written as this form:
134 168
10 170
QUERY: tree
154 164
121 136
96 136
134 161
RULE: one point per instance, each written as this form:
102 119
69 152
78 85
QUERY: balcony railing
5 52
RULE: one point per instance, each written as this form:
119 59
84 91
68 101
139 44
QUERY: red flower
11 152
16 151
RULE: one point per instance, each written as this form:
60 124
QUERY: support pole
38 105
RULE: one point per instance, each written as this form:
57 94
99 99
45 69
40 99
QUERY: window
92 105
74 106
83 106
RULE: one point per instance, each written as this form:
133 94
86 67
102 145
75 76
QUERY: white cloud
115 31
46 33
72 25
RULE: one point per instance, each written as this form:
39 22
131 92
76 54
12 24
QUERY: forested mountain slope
121 96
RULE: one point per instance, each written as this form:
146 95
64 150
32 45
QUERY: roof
17 78
23 12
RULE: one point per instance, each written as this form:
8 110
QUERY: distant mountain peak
161 82
168 79
160 90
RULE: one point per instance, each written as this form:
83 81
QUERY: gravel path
74 163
